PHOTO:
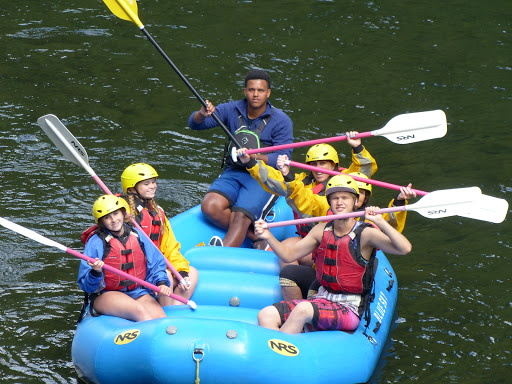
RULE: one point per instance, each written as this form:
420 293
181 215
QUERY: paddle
72 150
334 173
486 208
44 240
435 205
127 10
402 129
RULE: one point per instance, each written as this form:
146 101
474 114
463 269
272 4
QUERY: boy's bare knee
304 309
268 317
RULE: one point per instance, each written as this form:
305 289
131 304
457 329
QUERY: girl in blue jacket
118 244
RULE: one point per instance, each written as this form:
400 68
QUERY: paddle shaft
50 243
196 94
369 181
332 217
306 143
167 262
132 15
126 275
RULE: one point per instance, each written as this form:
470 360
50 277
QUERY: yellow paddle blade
124 9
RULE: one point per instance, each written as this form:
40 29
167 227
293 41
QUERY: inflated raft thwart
220 341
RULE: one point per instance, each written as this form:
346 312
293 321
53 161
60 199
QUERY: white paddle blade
447 202
414 127
489 208
30 234
67 144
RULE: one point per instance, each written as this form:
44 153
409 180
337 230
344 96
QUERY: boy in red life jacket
119 245
344 250
299 281
139 185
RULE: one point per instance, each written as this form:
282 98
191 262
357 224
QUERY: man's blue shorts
242 191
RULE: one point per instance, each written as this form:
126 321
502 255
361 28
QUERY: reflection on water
336 66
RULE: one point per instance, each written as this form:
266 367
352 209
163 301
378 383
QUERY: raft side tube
234 259
235 352
253 290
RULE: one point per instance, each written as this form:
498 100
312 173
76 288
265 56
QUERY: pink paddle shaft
167 262
307 143
101 184
331 217
369 181
125 275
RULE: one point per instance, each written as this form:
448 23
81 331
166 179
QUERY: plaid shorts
328 316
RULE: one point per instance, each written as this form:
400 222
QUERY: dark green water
336 65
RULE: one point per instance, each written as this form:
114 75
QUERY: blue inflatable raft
220 341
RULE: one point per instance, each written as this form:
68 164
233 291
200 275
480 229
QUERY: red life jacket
88 233
340 267
127 255
303 229
149 220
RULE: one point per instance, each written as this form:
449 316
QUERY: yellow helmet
362 184
107 204
322 152
135 173
341 183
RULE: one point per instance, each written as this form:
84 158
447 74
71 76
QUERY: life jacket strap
328 279
329 261
127 266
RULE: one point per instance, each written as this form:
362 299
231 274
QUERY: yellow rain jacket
170 247
301 198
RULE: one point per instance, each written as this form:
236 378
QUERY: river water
336 66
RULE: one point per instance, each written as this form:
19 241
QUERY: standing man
235 200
